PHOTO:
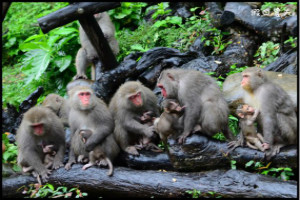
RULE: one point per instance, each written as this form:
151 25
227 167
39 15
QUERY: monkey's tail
110 167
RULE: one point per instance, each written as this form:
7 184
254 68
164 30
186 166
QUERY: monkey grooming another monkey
168 122
86 54
131 100
103 154
87 112
206 108
146 142
39 126
254 140
277 115
58 105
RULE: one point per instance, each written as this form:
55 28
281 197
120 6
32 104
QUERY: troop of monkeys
193 103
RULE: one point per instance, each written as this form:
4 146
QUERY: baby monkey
168 122
97 156
144 141
49 152
247 116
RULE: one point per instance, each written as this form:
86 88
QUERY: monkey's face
53 102
38 129
84 99
253 77
168 84
136 99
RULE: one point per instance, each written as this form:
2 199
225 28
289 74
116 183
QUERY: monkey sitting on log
128 104
87 112
146 142
206 107
254 140
40 126
86 54
168 122
103 154
277 115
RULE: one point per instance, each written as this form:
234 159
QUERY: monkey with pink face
129 103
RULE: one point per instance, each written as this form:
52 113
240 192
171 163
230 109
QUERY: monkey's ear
171 76
167 110
260 73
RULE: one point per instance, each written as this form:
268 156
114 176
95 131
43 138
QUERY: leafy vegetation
9 156
283 173
48 191
267 53
197 194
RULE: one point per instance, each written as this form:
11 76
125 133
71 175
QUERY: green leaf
6 155
34 45
51 187
63 62
248 164
35 37
158 24
65 31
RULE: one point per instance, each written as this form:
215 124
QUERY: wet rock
233 93
286 63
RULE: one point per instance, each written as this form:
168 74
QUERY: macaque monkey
128 104
40 126
254 140
48 160
146 142
86 54
58 105
168 122
206 108
277 115
103 154
87 112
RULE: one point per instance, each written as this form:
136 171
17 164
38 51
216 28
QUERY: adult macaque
103 154
86 54
58 105
49 152
87 112
277 116
128 104
254 140
206 107
168 122
144 141
40 127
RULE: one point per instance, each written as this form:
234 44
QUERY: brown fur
205 104
87 53
128 127
30 151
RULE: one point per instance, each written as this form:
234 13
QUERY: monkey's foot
139 146
57 164
232 145
132 150
87 166
103 163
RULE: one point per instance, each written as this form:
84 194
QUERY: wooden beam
73 12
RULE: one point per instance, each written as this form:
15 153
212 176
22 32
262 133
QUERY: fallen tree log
203 153
139 183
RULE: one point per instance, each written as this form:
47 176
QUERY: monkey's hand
265 146
132 150
68 166
149 131
44 175
232 145
183 137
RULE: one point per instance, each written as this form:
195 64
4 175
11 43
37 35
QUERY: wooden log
73 12
5 6
149 183
202 153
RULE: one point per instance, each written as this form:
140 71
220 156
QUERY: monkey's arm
98 136
59 157
71 160
134 126
253 118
